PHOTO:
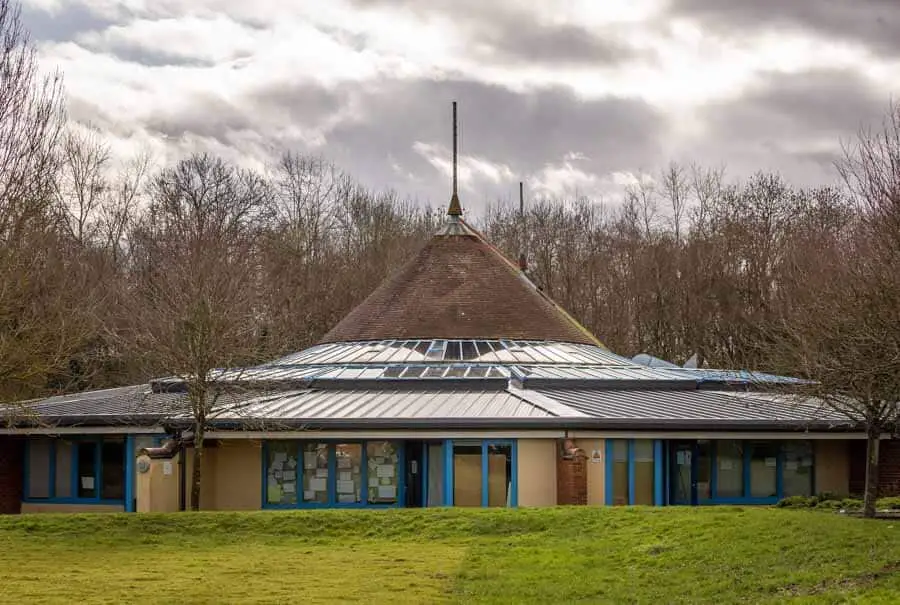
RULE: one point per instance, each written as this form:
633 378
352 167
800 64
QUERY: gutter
572 423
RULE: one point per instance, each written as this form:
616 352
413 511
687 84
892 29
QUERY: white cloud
471 169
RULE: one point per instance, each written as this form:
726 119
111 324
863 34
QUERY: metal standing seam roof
137 400
338 404
692 406
737 376
423 407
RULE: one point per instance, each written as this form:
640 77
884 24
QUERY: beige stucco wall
596 471
832 466
237 476
42 507
537 472
157 491
207 477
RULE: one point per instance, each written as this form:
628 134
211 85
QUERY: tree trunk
196 470
873 437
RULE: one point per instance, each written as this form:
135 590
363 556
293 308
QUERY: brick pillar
571 475
889 468
12 452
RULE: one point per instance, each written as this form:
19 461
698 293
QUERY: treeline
127 268
687 264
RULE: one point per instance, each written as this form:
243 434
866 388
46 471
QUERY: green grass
565 555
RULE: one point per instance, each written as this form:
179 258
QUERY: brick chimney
571 475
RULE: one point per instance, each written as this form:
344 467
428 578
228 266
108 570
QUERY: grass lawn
565 555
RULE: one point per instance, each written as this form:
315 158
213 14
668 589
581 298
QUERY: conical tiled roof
458 286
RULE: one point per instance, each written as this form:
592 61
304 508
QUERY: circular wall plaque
143 464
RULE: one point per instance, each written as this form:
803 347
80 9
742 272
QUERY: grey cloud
524 131
784 107
780 124
62 25
155 58
518 39
208 116
873 23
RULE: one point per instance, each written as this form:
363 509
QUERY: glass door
683 484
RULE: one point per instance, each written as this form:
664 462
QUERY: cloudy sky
574 96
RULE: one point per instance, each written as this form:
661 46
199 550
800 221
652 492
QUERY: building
457 382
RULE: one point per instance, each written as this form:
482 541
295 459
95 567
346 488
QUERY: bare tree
846 338
81 184
31 119
675 190
195 293
46 295
845 335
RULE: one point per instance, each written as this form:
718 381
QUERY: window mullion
98 467
332 474
52 473
364 474
484 474
300 490
630 464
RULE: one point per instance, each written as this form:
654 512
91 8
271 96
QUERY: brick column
571 475
12 453
889 468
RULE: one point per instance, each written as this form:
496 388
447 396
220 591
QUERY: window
112 467
797 471
64 469
315 473
435 491
763 470
730 464
499 474
78 470
467 474
281 477
483 473
384 478
349 479
309 473
39 453
631 471
704 469
620 472
87 476
643 472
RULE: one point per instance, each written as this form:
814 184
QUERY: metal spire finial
455 207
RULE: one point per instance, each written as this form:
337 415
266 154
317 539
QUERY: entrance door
683 482
690 472
414 473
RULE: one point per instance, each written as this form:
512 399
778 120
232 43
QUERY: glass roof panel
436 350
393 371
452 351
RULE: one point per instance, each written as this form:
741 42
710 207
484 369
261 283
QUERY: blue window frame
742 471
490 450
637 468
328 473
79 470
